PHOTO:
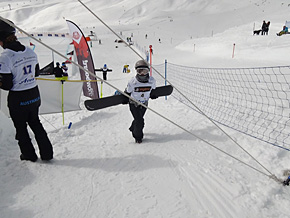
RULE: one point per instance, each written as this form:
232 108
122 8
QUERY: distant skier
267 28
105 70
126 68
139 88
64 69
147 56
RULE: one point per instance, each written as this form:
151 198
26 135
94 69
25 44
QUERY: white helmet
141 64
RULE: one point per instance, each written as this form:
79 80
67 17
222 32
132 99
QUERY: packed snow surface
98 170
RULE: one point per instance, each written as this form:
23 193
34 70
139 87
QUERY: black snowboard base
96 104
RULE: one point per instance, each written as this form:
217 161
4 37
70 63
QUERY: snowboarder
18 69
105 70
139 88
284 31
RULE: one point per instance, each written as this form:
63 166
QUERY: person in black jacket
18 69
57 71
105 70
64 69
264 28
267 28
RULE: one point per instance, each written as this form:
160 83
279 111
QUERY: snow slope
98 170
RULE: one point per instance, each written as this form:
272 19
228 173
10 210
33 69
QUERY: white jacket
22 65
141 91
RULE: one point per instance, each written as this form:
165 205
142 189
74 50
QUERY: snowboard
100 103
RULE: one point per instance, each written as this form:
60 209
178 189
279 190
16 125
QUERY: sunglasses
142 71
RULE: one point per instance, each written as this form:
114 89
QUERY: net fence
254 101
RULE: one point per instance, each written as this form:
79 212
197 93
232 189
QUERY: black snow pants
104 75
138 123
23 108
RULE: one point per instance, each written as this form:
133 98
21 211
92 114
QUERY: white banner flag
51 97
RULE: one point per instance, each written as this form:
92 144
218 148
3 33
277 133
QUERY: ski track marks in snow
99 171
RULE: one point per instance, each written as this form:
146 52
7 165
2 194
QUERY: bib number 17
27 69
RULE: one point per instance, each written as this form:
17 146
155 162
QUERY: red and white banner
85 59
